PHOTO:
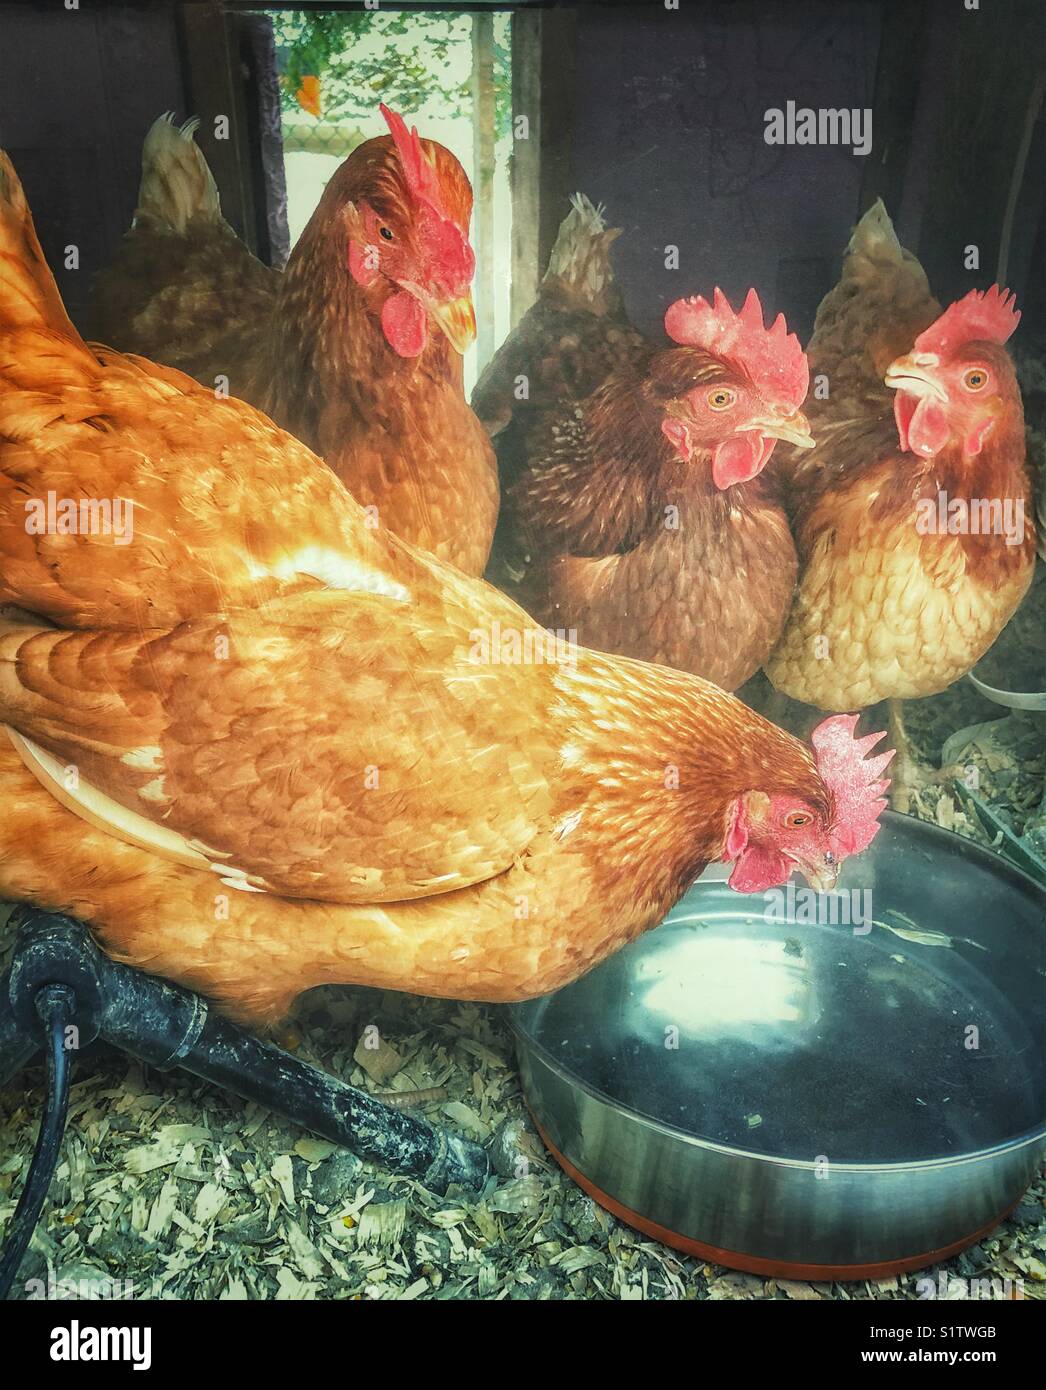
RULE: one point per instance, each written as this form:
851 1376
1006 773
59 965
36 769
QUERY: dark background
658 114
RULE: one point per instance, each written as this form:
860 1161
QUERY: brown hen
642 518
914 515
355 348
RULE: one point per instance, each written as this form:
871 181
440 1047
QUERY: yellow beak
457 318
795 429
822 875
914 375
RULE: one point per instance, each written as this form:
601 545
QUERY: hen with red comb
983 316
356 347
772 358
644 514
914 516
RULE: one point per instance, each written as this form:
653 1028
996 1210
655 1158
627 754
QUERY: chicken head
769 836
409 236
746 390
957 383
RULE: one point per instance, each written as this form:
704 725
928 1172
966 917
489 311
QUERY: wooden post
483 118
525 162
214 82
898 77
541 173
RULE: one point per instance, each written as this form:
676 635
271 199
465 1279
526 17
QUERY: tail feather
580 260
29 297
874 236
882 301
874 252
177 185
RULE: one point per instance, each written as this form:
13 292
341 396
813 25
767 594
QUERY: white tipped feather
874 232
580 257
874 247
101 811
590 213
177 185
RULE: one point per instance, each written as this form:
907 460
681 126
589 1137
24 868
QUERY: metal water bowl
820 1099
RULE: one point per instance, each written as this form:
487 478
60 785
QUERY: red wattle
928 428
404 325
758 869
740 458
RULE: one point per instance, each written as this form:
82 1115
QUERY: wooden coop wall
80 88
659 115
656 113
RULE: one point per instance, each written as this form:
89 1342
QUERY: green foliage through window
405 71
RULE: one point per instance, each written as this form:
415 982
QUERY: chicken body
473 868
882 611
895 600
221 507
572 338
638 550
309 758
606 530
308 346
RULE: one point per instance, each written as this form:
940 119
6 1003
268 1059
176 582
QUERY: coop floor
170 1189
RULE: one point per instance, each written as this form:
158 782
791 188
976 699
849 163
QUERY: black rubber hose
56 1006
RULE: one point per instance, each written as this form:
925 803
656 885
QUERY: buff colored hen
914 515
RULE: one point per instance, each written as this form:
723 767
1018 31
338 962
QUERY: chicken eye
722 398
386 232
975 379
797 819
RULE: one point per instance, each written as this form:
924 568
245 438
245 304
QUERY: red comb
422 180
772 357
981 316
853 780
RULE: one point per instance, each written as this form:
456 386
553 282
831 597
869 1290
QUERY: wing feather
347 747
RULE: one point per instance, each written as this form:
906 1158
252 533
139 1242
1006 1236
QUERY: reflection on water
727 985
794 1039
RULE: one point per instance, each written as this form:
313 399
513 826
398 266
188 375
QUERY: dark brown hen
639 516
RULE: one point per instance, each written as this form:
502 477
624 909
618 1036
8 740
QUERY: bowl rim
1009 699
